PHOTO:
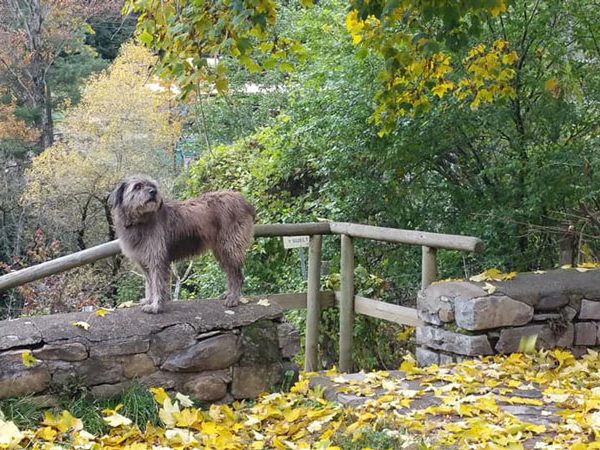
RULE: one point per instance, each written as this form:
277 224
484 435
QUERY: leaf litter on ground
468 412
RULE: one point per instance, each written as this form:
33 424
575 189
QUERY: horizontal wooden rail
109 249
298 301
435 240
291 229
59 265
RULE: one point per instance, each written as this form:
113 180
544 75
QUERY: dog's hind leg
232 266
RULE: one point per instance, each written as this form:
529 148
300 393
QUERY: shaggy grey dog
153 233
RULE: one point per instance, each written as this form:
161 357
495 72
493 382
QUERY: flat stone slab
202 315
493 311
462 344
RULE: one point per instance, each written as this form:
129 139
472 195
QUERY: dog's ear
116 196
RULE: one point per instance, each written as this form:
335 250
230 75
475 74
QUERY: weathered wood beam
58 265
387 311
346 304
435 240
313 305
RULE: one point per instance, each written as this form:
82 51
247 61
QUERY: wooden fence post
313 305
346 303
428 266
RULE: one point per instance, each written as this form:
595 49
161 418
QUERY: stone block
171 340
545 317
166 380
208 387
12 361
260 344
426 357
492 311
546 337
136 366
214 353
569 313
436 303
590 310
446 359
289 340
74 351
25 382
449 341
109 390
120 347
586 333
100 370
552 301
250 381
18 333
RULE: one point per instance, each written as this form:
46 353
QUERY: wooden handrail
314 299
413 237
93 254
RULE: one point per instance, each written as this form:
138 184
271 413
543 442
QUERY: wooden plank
299 300
428 266
291 229
58 265
387 311
436 240
346 304
313 313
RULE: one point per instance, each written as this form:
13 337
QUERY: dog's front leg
158 281
147 289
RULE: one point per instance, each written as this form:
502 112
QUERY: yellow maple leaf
81 324
10 436
101 312
28 359
46 433
263 302
117 420
184 400
489 288
159 395
527 344
168 411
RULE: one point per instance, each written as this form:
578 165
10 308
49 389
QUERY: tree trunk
40 95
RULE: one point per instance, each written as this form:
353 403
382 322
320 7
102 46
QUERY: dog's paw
152 308
232 301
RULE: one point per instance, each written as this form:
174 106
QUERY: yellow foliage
124 124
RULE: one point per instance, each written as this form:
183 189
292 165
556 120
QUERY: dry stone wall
199 348
462 320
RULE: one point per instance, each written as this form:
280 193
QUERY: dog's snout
152 192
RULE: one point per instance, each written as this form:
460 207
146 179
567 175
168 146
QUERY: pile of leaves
466 413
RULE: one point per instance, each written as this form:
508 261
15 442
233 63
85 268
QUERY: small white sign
295 241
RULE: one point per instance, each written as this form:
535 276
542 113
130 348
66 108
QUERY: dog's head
136 198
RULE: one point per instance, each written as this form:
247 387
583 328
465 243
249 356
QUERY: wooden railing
314 300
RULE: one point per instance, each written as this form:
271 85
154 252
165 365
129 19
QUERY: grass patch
25 412
138 405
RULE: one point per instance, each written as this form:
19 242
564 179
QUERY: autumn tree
34 35
124 124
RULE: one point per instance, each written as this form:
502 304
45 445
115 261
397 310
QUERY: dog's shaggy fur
153 233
